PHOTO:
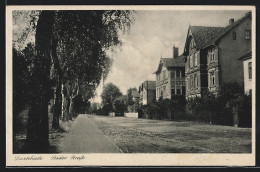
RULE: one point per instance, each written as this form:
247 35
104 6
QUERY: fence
131 115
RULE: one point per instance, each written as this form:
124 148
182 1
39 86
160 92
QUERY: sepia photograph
130 85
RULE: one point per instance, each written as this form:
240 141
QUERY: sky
152 36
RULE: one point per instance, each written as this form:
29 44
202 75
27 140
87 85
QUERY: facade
147 92
170 76
247 66
212 54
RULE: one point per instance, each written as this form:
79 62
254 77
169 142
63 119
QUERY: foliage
166 109
22 64
121 104
130 100
109 95
75 43
231 106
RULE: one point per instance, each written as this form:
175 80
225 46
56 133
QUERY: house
170 76
247 66
212 54
147 92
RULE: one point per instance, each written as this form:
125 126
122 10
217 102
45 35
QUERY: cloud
153 34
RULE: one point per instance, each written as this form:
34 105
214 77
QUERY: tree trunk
38 126
58 95
57 107
71 107
66 105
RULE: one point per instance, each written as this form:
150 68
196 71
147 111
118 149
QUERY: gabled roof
202 35
246 56
226 30
171 62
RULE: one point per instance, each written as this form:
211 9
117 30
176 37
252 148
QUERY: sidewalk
85 137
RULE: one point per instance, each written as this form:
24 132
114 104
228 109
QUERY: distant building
170 76
147 92
135 95
212 54
247 66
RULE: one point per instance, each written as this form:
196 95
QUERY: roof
135 94
226 30
246 56
172 62
202 35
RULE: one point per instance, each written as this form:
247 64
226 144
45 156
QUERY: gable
227 29
201 35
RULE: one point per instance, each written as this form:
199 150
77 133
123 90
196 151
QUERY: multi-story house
170 76
147 92
212 54
247 66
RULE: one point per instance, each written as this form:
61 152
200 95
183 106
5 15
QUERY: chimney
175 52
231 21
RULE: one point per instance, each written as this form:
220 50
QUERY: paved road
85 137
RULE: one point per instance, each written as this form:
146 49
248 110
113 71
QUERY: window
196 59
191 62
234 36
178 73
178 91
208 57
191 44
250 70
173 92
196 81
191 82
183 90
248 34
164 91
164 74
212 79
188 62
212 57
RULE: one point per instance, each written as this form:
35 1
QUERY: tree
75 42
38 130
110 93
130 100
121 104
